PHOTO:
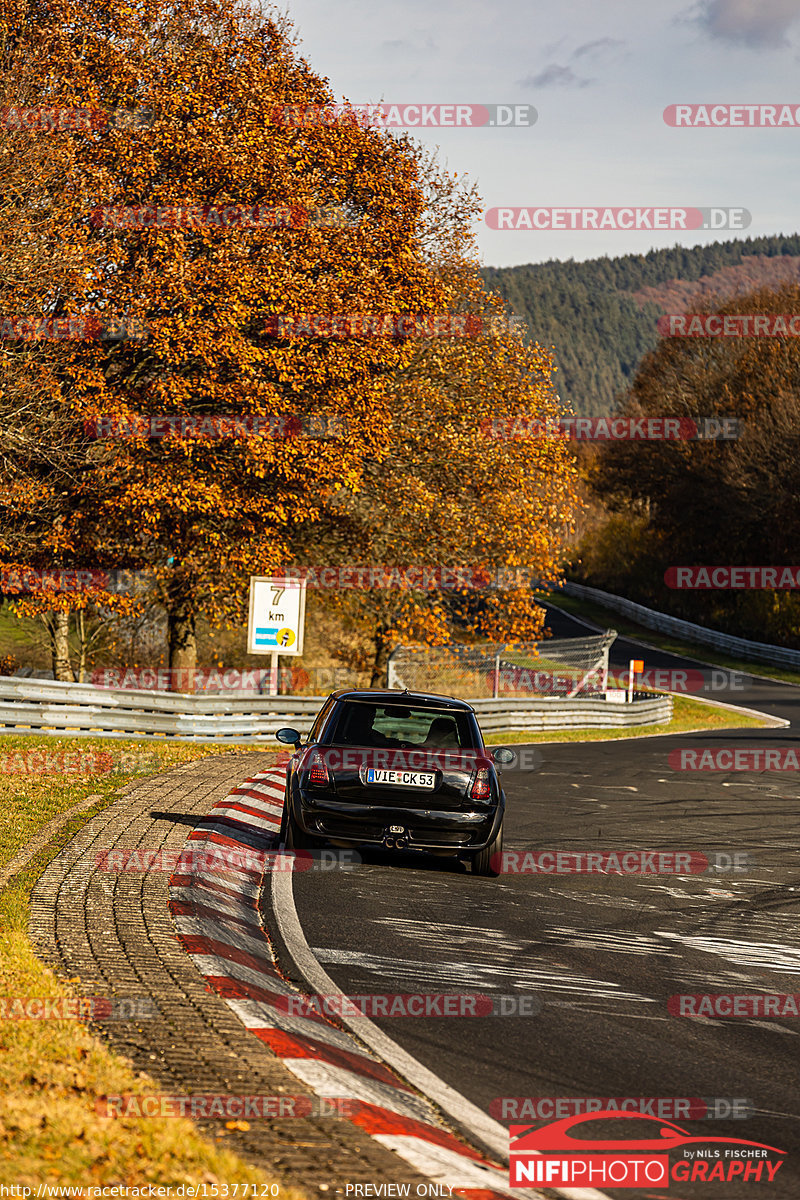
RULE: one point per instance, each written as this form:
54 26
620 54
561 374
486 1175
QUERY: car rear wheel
295 838
284 811
481 862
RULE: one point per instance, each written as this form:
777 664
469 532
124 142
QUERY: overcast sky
599 76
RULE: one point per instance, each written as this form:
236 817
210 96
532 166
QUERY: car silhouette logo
558 1138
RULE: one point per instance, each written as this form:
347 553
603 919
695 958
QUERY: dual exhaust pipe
392 842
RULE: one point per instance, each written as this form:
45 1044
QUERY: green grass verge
53 1071
609 619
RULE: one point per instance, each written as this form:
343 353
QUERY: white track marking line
326 1079
218 931
211 898
443 1165
216 967
267 821
263 1014
488 1132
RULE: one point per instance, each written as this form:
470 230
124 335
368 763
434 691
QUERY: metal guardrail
495 716
651 619
43 706
78 709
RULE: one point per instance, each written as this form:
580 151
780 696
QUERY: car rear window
322 717
378 725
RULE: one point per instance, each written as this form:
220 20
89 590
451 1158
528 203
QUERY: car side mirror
503 756
289 736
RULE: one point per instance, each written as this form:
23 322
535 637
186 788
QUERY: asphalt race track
600 954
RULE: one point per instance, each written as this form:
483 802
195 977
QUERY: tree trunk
62 667
380 666
182 640
82 646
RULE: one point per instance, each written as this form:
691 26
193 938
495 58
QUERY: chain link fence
564 667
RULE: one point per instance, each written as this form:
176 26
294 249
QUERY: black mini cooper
404 770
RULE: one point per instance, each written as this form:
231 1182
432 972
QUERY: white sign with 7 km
277 615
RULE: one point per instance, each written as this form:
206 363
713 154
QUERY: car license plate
418 779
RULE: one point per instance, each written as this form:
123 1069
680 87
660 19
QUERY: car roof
385 696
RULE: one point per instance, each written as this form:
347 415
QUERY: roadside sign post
636 666
276 619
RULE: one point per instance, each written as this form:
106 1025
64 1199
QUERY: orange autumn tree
454 490
200 515
453 494
42 442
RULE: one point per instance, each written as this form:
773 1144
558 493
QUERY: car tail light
481 788
319 770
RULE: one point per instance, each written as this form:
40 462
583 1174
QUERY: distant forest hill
600 316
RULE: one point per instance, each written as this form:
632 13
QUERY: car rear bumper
426 829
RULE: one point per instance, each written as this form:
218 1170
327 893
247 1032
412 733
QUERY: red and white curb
215 910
